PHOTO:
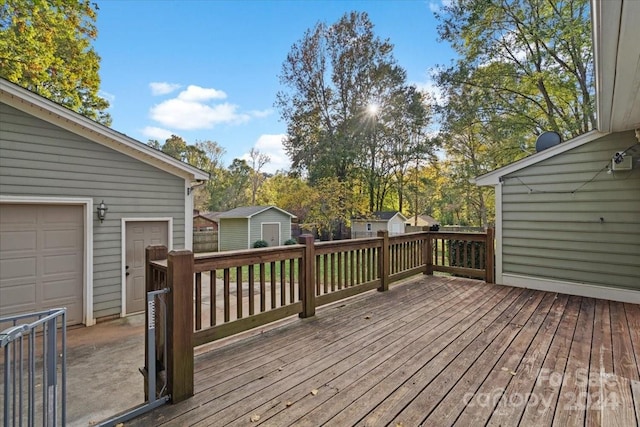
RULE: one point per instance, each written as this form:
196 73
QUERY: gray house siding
41 159
233 234
567 219
270 216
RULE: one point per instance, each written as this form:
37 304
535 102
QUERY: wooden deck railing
230 292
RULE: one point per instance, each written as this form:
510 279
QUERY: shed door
271 233
42 259
139 235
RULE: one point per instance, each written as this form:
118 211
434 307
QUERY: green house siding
233 234
40 159
270 216
567 219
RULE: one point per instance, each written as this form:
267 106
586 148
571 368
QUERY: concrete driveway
102 370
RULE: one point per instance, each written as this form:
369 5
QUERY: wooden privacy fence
213 296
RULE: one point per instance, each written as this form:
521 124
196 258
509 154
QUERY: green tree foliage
331 208
532 59
332 78
288 192
45 46
524 67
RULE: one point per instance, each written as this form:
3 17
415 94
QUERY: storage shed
241 227
58 247
392 221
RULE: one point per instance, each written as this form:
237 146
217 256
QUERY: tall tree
45 46
532 59
258 160
330 76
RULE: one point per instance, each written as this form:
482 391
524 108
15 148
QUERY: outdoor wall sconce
102 211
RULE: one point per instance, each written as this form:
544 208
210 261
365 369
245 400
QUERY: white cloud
193 109
429 86
163 88
436 7
271 145
108 96
188 115
199 94
260 114
157 133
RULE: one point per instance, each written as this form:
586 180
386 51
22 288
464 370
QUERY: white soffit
616 35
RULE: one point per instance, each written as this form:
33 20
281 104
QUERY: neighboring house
241 227
568 217
392 221
205 221
56 169
423 220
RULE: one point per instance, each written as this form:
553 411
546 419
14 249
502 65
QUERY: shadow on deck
431 351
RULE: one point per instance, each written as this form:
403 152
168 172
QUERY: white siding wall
551 232
40 159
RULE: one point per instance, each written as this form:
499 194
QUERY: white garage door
41 259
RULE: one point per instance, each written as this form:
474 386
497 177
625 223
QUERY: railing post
489 256
180 325
307 281
384 261
429 255
152 253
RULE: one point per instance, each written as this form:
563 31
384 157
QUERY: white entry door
139 235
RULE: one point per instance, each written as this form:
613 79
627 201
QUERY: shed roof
49 111
380 216
250 211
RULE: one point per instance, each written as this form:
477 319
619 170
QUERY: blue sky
208 70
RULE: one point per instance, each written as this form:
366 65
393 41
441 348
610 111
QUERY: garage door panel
19 215
66 238
13 241
62 214
55 290
42 258
20 294
60 264
18 268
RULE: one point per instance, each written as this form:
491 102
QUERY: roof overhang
49 111
616 43
493 178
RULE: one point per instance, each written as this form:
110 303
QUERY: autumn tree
532 59
328 78
258 160
45 46
343 97
288 192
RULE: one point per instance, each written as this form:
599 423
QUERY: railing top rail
161 264
16 331
39 314
229 259
408 237
455 235
347 245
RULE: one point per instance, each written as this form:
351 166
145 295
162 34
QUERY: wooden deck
433 351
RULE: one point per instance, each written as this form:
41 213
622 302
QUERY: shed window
368 226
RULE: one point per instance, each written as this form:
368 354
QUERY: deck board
432 350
